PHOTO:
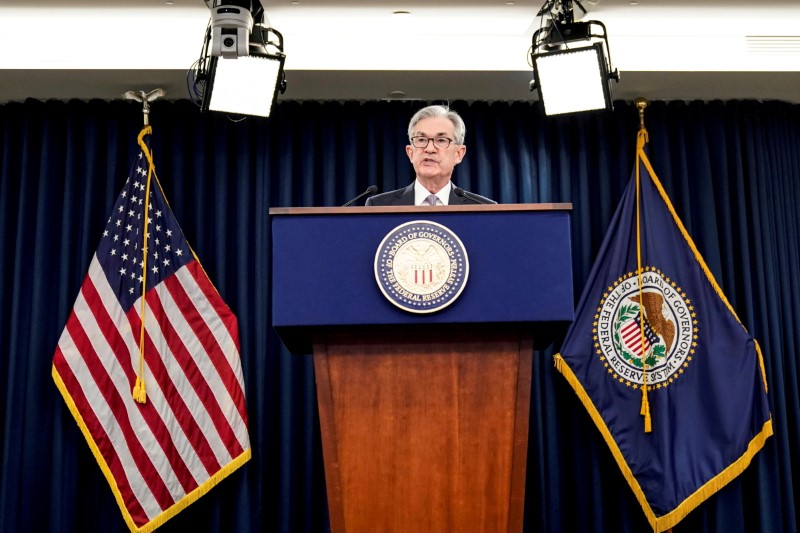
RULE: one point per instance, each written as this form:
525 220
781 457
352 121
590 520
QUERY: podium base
428 433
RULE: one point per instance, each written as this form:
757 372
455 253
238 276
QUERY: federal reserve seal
655 328
421 266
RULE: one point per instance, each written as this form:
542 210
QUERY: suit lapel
407 195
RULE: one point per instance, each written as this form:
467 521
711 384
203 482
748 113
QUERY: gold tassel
641 140
139 391
645 411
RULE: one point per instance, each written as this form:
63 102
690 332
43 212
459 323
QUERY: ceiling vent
773 44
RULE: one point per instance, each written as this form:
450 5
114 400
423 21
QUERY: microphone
372 189
461 193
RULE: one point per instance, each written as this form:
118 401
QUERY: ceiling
443 50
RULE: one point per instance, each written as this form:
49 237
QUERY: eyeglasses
438 142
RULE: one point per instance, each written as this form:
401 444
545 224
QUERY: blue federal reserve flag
670 376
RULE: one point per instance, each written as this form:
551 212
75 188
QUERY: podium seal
421 266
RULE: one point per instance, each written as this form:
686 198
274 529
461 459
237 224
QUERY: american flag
191 431
632 335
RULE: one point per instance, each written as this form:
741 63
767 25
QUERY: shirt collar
421 193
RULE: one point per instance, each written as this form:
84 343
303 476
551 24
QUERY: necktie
431 199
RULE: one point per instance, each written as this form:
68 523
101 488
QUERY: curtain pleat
732 170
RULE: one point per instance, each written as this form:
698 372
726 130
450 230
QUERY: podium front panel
324 268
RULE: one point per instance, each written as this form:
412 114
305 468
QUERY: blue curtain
732 170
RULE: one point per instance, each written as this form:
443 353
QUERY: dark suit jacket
405 196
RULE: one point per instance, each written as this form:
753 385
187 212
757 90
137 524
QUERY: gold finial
640 104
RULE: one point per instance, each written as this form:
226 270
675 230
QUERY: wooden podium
424 417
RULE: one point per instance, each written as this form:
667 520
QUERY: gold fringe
669 520
193 496
180 505
761 365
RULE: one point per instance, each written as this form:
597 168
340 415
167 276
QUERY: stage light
246 85
240 70
571 63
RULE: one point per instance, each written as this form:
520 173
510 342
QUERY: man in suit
436 145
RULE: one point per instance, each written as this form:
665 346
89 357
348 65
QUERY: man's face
434 164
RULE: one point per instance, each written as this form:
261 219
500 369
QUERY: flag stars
122 271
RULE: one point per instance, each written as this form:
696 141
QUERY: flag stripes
632 335
161 455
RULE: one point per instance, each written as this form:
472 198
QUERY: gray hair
443 112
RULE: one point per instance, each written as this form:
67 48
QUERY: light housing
246 85
572 67
240 71
572 80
